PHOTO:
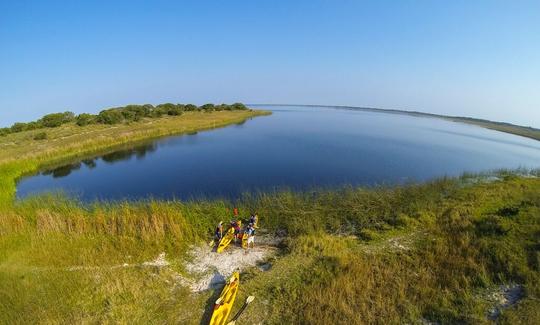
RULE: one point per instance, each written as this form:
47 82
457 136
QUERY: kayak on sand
226 240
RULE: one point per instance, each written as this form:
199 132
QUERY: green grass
20 154
458 241
381 255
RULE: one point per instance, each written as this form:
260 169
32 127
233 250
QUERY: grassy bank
434 252
386 255
21 153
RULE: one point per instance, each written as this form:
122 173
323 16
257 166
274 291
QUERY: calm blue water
297 148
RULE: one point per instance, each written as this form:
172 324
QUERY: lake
297 148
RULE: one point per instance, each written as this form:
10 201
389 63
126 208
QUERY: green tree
85 119
57 119
34 125
19 127
110 116
137 112
239 106
190 107
208 107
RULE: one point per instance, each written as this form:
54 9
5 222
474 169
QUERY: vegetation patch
325 270
431 252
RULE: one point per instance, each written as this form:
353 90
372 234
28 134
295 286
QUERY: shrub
208 107
19 127
57 119
190 107
4 131
175 111
368 234
85 119
137 112
110 116
128 115
171 109
156 113
33 125
40 136
239 106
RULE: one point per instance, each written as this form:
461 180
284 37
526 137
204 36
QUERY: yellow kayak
224 304
245 239
226 240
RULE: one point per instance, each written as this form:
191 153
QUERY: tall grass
459 242
338 264
402 254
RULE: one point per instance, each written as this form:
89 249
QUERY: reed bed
389 254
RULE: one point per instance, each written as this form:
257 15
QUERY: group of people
236 225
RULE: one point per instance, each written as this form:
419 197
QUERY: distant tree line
125 114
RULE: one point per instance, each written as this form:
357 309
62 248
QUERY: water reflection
138 152
293 148
62 171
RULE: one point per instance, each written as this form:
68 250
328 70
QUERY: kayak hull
223 306
226 240
245 237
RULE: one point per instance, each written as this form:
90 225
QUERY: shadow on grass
210 306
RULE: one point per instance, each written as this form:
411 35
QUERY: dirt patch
209 269
395 244
503 297
160 261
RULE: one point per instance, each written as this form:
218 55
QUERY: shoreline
519 130
12 169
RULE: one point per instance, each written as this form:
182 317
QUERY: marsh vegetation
409 253
392 255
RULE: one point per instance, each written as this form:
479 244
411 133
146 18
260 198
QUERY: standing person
255 220
219 232
251 236
236 224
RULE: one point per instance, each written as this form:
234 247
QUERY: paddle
235 318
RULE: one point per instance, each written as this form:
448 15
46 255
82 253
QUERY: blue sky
471 58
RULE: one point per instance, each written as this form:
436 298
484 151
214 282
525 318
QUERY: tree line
116 115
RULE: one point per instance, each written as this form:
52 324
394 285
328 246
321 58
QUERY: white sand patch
503 297
210 269
160 261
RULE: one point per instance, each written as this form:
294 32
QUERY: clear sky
471 58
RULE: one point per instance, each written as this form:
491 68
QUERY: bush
239 106
137 112
85 119
171 109
4 131
117 115
129 115
57 119
33 125
110 116
208 107
19 127
40 136
190 107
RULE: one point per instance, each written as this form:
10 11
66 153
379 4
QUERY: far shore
524 131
